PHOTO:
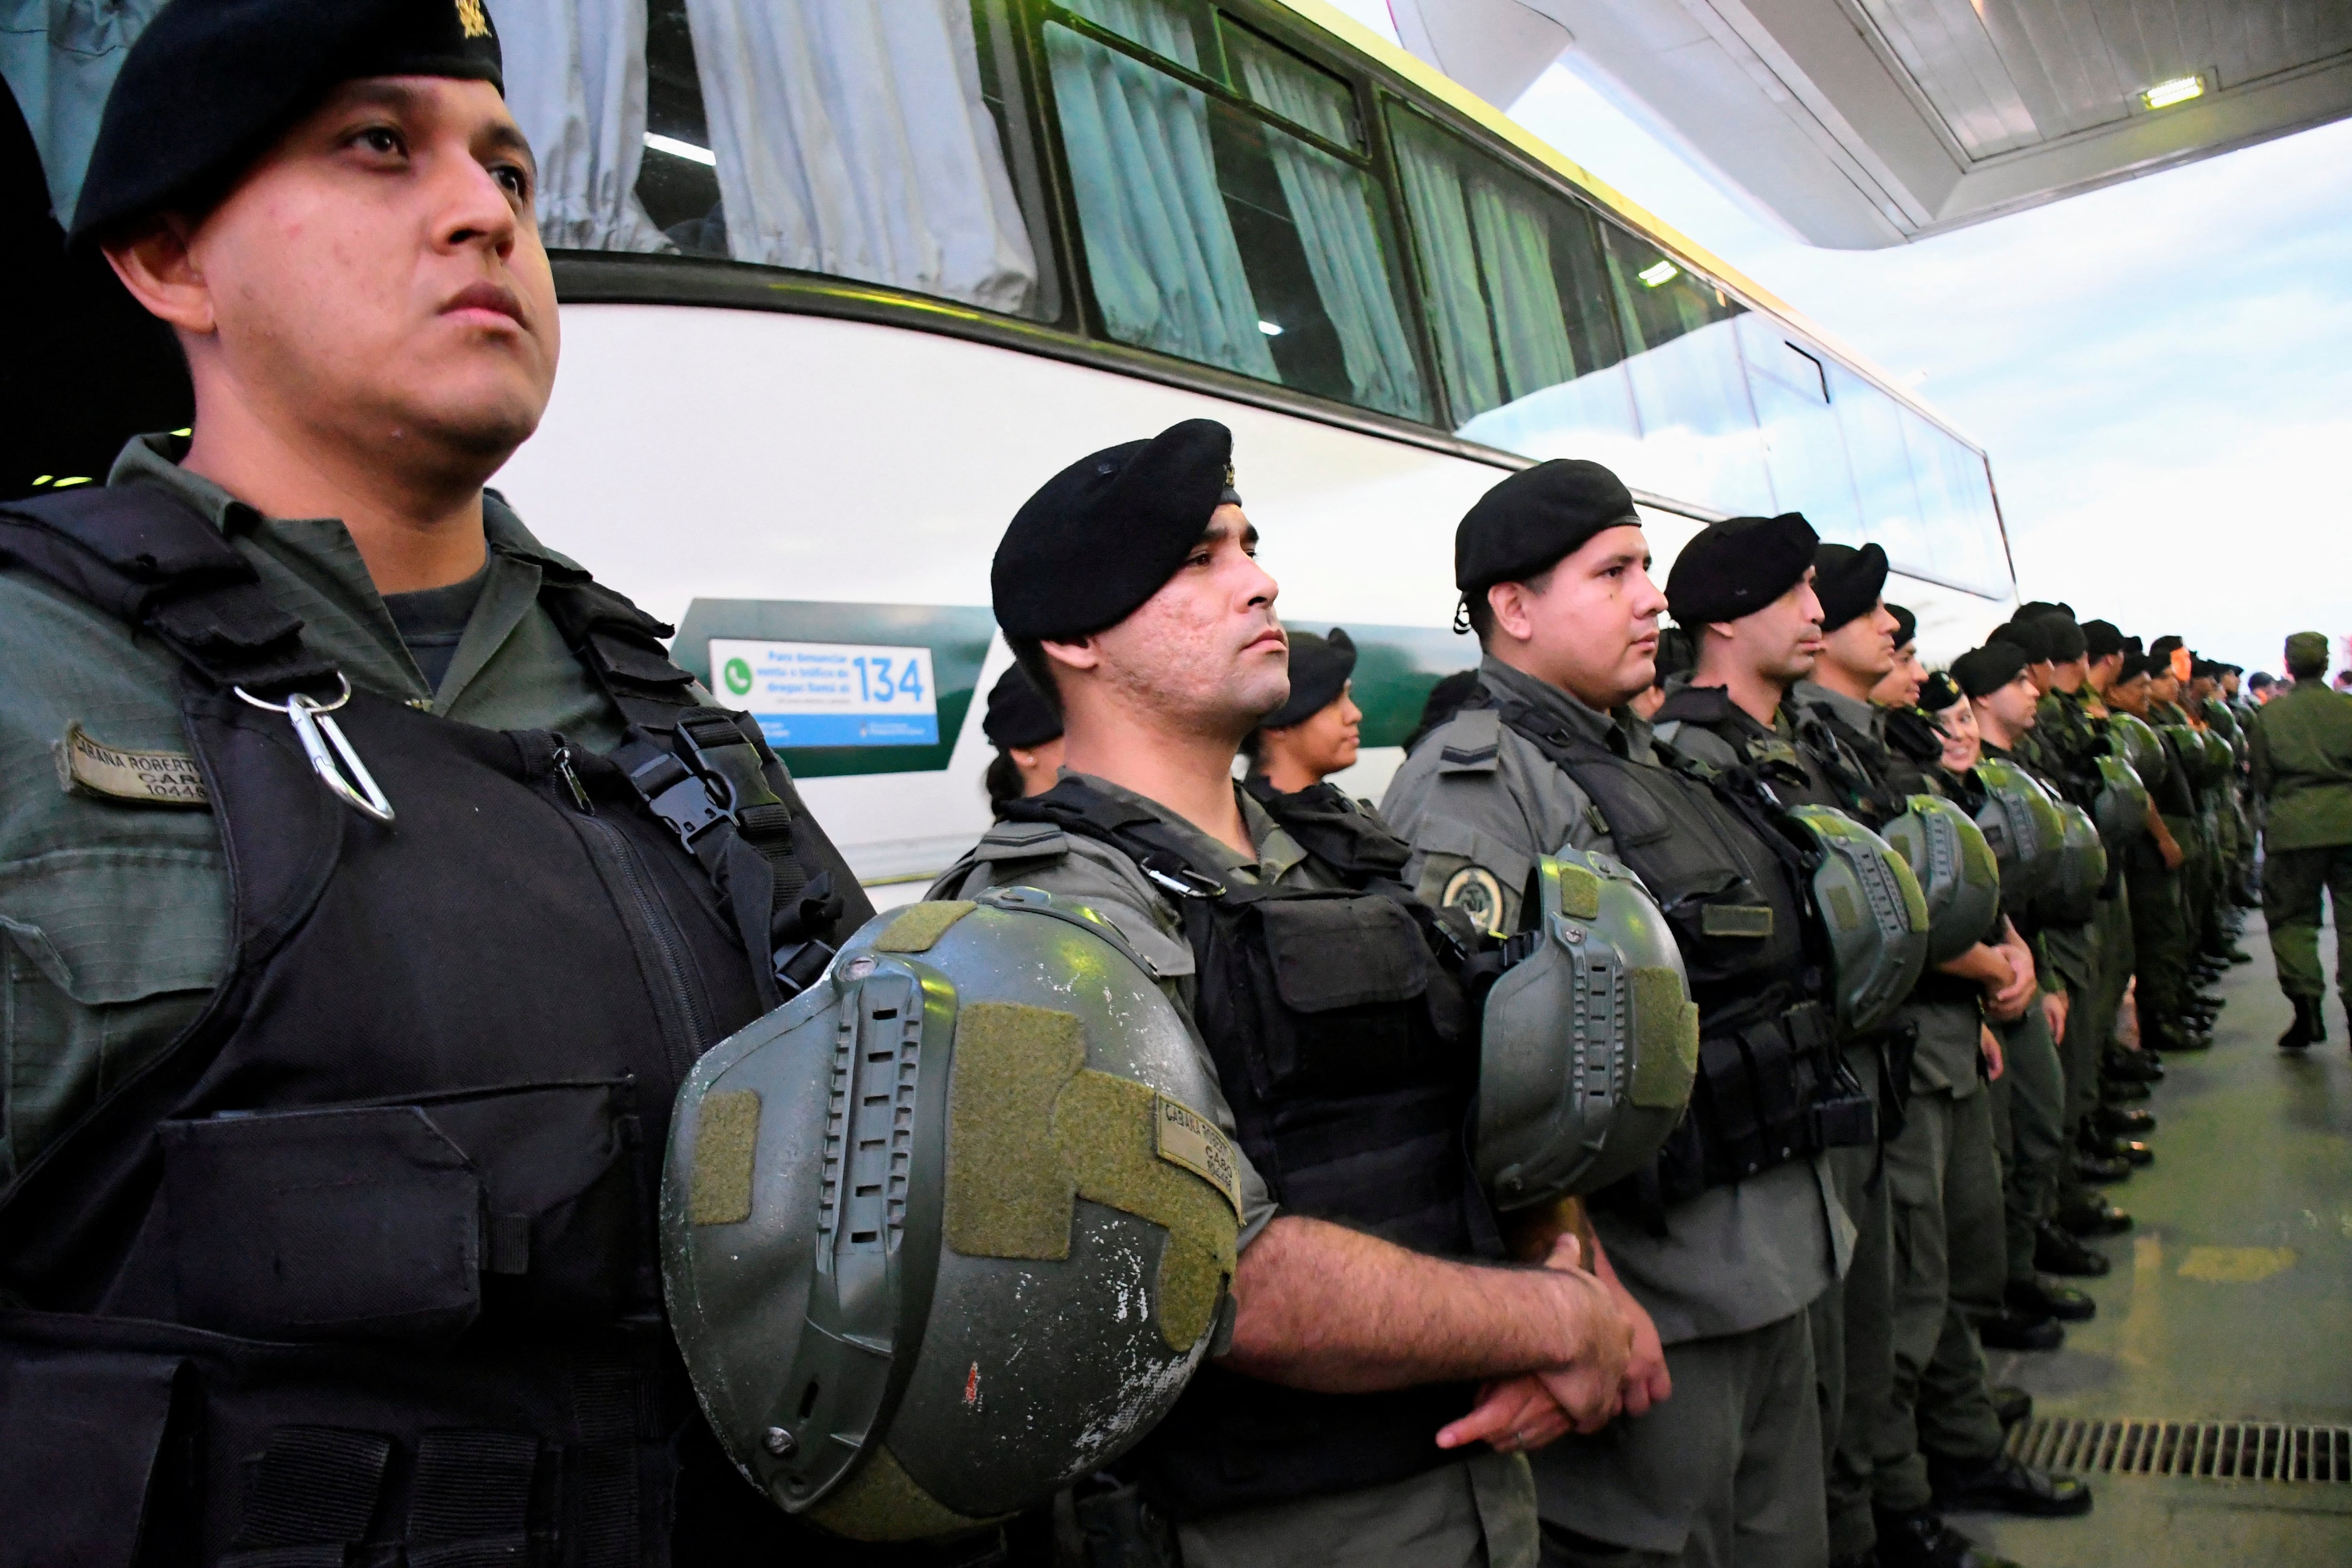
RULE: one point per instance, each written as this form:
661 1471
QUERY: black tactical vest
1770 1087
362 1268
1348 1050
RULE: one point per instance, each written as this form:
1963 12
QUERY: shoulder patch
1473 890
91 769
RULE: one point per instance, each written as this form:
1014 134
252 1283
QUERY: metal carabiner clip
315 727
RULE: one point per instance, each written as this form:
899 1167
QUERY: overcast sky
2161 370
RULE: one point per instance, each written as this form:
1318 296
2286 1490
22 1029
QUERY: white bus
843 283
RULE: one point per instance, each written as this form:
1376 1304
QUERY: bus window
1871 424
847 140
1803 447
1212 235
1517 300
1963 527
1699 436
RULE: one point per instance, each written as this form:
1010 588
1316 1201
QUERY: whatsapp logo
738 676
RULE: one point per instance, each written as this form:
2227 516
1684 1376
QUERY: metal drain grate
2216 1450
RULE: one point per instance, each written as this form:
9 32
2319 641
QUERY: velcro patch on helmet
726 1134
1580 892
883 1502
1735 919
1030 1131
1105 1128
921 925
1009 1195
1666 1040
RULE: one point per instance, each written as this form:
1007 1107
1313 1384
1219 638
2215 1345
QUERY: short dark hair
1003 782
1480 610
1029 653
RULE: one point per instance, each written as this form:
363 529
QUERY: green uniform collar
1620 732
1277 852
344 616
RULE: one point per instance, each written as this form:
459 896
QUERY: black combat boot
2123 1122
2011 1404
2057 1250
2014 1331
2115 1146
2099 1169
2304 1033
2040 1298
2133 1067
1922 1539
2092 1215
2002 1485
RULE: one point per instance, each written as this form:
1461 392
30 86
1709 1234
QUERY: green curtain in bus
1486 259
1159 245
1330 203
1449 271
1515 253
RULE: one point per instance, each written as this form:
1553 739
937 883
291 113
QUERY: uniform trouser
2211 935
2247 886
1944 1192
1727 1471
2293 882
2116 961
2162 946
1854 1335
2029 1112
1477 1512
2075 953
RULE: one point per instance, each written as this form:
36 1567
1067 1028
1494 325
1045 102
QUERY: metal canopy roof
1866 122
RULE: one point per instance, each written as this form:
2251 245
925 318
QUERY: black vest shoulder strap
1334 830
146 556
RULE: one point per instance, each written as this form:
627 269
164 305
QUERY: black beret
1320 668
1018 713
1736 567
1848 582
2029 638
211 83
2037 608
2134 666
1907 625
1105 533
1937 692
2160 650
1678 655
2134 645
2101 638
2067 642
1525 524
1989 668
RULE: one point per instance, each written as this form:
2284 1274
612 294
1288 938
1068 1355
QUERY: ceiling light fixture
686 149
2179 90
1665 271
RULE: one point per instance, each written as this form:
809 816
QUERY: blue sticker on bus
808 694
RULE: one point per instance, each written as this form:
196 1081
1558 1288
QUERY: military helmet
2131 738
2196 760
909 1219
2218 714
1956 873
1588 1046
2121 809
1874 912
2220 757
2072 896
2022 822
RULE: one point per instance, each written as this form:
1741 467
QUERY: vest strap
314 1490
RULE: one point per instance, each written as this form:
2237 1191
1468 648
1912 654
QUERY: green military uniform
2194 829
2063 749
1940 1191
1853 1351
2163 942
1728 1469
2031 1099
1477 1509
114 901
2302 758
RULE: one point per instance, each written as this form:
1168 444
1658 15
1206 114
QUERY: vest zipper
678 1001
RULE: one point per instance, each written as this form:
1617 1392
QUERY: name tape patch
1188 1139
92 769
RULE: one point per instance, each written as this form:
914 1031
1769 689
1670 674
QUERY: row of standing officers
388 881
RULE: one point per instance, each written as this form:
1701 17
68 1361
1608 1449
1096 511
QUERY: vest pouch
405 1221
82 1452
1348 975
